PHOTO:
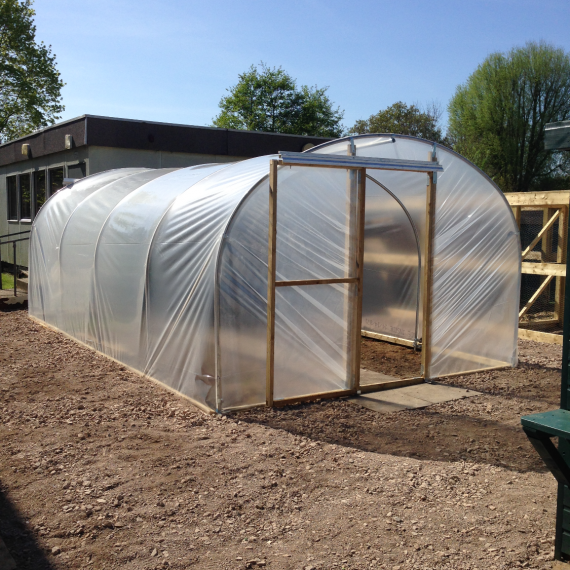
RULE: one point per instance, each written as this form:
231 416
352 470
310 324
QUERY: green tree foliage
497 118
30 85
267 99
402 119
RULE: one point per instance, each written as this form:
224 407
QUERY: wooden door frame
360 165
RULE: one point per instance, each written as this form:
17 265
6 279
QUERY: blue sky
172 61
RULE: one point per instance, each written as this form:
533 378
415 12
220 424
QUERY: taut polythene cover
166 270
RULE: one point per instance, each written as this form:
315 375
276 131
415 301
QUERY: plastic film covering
392 256
116 307
45 293
180 343
101 254
314 237
476 256
79 243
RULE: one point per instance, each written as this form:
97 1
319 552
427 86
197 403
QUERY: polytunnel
249 283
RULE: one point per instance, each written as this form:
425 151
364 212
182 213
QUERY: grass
7 281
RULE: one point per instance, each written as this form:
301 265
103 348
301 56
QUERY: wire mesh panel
543 243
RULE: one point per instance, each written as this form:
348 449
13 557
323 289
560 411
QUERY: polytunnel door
316 225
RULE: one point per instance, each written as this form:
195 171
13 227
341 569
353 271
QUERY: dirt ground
100 468
390 359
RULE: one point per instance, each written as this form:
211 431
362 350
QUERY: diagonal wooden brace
550 455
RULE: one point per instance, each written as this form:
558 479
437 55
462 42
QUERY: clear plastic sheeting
314 240
392 256
166 270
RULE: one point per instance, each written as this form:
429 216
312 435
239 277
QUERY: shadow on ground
19 538
436 433
5 308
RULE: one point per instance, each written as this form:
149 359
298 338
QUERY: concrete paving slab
438 393
370 377
387 402
411 397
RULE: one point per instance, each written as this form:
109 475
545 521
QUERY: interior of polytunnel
392 282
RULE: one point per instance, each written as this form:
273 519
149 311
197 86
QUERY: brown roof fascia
148 135
47 141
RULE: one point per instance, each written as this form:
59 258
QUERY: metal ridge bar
341 161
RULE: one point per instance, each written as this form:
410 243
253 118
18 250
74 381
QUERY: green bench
540 429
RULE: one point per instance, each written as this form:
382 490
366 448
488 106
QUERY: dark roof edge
140 121
48 128
97 131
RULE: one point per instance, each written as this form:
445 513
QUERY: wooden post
271 266
517 214
357 302
561 258
351 249
546 249
427 289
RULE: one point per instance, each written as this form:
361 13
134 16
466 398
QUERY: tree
267 99
402 119
497 118
30 85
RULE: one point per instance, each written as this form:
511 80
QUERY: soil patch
100 468
391 359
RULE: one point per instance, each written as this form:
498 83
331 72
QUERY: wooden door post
427 289
357 319
271 273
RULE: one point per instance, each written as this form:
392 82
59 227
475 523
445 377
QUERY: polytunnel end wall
476 274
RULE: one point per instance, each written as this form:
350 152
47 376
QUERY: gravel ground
100 468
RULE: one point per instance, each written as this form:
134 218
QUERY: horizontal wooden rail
551 198
313 397
391 339
556 269
368 388
301 282
540 336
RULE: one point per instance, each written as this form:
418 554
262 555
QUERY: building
36 166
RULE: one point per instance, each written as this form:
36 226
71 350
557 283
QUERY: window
55 180
25 197
76 170
12 188
39 189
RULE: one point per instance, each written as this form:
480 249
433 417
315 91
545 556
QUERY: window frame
49 179
9 201
30 199
35 175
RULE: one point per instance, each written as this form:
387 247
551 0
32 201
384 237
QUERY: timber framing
356 195
550 264
391 339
